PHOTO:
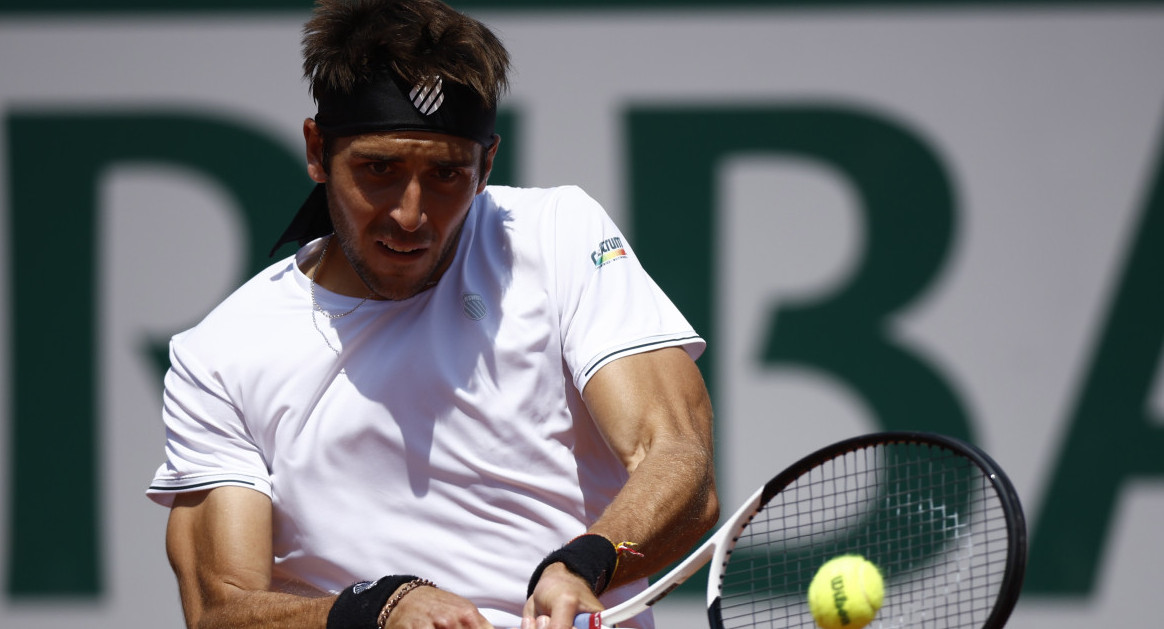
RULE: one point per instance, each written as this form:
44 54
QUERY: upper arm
642 400
219 544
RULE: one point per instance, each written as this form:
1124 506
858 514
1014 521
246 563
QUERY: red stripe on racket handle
586 620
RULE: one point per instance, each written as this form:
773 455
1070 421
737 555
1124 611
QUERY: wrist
591 557
359 605
382 619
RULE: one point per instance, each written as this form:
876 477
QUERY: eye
447 174
379 168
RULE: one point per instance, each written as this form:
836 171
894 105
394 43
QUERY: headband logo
427 95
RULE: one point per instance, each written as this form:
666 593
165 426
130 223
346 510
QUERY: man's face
398 201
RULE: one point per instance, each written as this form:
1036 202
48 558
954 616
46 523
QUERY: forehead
403 144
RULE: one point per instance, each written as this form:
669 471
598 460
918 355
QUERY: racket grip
586 620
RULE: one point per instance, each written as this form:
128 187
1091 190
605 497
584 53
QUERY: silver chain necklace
315 307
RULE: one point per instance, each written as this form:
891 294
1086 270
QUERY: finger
563 612
528 612
431 607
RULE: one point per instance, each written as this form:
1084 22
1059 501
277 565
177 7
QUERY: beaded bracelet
357 606
392 602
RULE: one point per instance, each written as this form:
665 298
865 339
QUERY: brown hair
345 42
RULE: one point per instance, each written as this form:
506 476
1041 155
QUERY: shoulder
542 222
561 210
247 310
534 200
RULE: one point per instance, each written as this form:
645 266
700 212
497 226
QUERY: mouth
402 249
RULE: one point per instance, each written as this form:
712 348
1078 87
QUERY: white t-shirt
443 435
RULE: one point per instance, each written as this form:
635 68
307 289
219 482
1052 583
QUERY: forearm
260 610
667 504
654 412
395 601
219 545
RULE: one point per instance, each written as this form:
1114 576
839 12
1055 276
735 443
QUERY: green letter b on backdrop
906 203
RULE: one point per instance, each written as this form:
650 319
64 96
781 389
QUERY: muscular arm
219 543
653 410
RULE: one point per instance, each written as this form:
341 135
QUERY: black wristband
359 605
592 557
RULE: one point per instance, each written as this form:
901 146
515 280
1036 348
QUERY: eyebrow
376 156
373 155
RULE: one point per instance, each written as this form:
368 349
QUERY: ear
316 169
487 164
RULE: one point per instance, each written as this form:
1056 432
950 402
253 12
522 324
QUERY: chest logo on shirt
608 250
474 306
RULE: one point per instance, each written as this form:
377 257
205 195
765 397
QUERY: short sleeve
207 442
609 306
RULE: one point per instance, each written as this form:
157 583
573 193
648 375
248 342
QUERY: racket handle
586 620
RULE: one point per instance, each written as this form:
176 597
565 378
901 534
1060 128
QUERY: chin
399 291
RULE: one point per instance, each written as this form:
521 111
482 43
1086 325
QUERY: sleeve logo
609 250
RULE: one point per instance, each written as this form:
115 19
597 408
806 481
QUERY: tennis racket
936 515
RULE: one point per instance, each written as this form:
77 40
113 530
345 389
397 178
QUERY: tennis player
455 405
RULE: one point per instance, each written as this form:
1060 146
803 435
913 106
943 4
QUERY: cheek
348 211
356 203
449 216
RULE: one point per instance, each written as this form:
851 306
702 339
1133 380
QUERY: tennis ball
845 593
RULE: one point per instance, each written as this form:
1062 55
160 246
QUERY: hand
431 608
558 596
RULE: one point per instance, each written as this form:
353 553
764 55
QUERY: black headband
310 222
387 103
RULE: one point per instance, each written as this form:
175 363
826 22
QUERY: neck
330 270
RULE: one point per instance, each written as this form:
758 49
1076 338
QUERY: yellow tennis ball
845 593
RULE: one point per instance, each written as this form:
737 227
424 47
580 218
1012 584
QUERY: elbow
704 506
711 506
710 516
704 510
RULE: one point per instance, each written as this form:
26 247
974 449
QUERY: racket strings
929 519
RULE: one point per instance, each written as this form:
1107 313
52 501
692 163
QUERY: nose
409 212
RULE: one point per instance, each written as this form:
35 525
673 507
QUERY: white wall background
1048 121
